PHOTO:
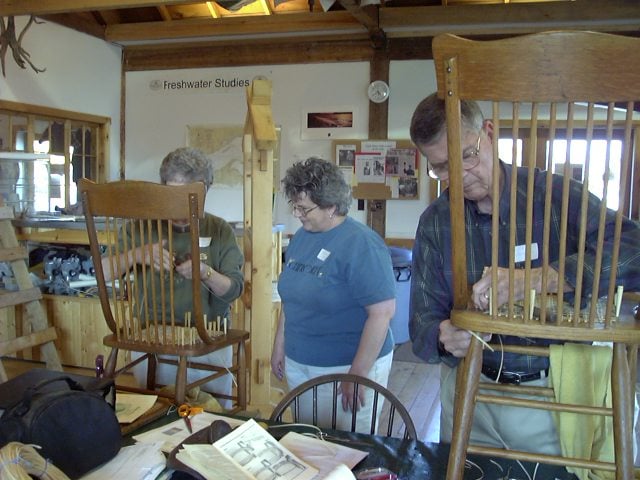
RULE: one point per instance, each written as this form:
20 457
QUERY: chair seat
195 349
623 329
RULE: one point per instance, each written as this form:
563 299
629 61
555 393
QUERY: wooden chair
393 426
570 85
140 309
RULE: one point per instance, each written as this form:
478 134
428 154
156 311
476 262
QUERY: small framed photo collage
380 163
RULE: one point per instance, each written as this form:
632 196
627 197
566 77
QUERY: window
43 153
577 156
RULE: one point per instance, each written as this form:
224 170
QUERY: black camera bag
76 429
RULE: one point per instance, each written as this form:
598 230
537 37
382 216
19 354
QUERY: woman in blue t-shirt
337 289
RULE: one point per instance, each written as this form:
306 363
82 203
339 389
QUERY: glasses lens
432 173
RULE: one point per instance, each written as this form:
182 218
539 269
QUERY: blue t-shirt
327 281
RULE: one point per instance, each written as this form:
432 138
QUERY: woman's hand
347 389
277 363
159 255
186 268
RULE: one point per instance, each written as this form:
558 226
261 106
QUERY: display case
26 182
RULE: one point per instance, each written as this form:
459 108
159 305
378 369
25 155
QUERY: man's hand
455 340
482 288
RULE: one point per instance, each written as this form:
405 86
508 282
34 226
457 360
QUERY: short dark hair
322 181
429 120
186 165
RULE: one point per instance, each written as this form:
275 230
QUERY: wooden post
378 129
258 144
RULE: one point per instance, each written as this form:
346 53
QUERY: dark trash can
401 260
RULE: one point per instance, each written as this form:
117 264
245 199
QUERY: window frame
24 119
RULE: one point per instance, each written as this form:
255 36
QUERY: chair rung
518 389
554 406
541 458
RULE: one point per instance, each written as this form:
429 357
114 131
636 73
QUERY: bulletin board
379 169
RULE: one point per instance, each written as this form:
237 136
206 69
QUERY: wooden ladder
41 333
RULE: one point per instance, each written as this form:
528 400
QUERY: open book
249 452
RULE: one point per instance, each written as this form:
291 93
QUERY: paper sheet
143 461
131 406
172 434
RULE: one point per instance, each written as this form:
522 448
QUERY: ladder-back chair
391 419
574 86
138 295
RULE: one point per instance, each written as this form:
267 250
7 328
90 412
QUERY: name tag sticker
323 254
204 242
521 251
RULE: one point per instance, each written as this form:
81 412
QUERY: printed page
253 448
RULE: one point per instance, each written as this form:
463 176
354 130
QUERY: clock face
378 91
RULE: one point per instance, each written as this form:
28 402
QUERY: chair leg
622 403
112 360
152 364
242 377
181 380
467 382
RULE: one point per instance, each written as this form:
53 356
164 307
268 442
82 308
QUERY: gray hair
429 120
322 181
187 165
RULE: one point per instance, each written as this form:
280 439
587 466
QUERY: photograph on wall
406 160
346 155
407 188
369 167
328 123
329 119
391 165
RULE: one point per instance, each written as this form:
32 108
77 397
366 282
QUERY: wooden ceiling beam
169 56
513 18
352 48
290 24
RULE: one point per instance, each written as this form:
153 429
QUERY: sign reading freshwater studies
201 85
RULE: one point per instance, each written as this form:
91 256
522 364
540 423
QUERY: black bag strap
35 389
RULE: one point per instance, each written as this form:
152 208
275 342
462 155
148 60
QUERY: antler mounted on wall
8 40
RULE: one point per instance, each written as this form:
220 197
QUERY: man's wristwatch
208 273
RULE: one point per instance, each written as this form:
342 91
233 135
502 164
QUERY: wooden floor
417 385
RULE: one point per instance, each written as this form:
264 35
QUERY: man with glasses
434 338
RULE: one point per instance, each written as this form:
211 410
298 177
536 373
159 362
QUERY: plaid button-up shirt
432 276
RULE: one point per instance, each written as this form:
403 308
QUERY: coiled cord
22 462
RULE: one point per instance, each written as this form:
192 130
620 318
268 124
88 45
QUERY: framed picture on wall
328 123
346 155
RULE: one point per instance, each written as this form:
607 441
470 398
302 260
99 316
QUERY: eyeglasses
470 159
303 212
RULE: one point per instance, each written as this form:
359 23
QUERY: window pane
505 150
596 166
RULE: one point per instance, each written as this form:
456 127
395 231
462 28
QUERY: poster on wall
328 123
223 145
369 167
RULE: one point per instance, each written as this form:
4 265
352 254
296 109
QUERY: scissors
186 412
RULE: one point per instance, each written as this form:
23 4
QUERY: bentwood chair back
140 299
391 420
578 87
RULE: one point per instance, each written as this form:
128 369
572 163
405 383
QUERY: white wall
157 118
82 75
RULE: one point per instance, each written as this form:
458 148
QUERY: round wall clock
378 91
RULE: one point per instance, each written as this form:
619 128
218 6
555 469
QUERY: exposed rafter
140 21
